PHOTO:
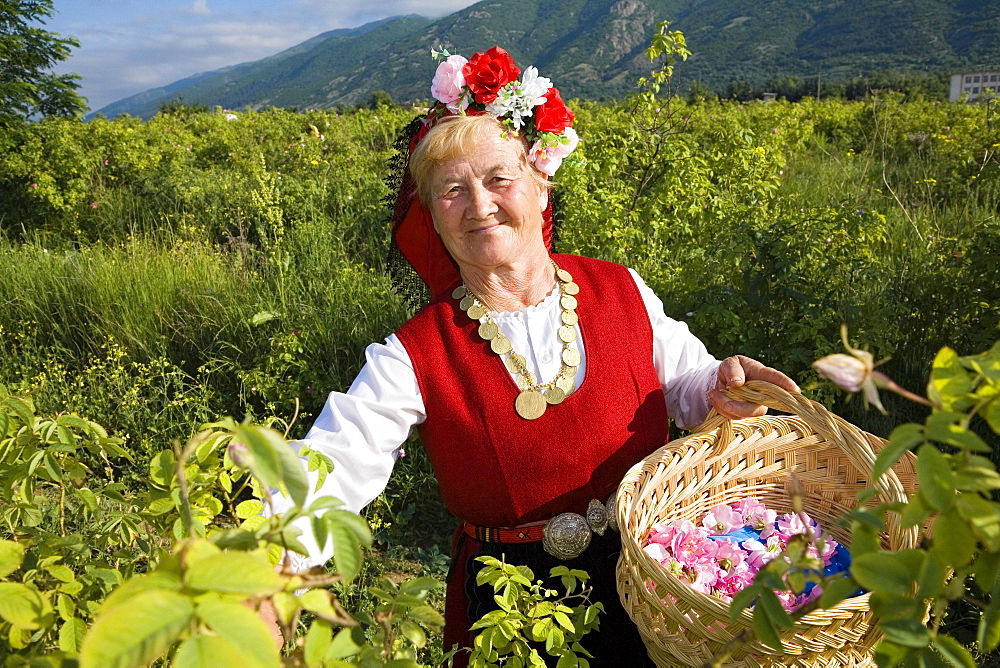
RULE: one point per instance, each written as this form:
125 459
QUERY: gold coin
501 345
571 357
458 292
570 318
568 302
567 333
466 303
570 371
476 311
489 330
530 405
516 363
524 382
565 383
564 275
554 395
571 288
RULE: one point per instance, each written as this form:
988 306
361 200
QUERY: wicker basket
825 458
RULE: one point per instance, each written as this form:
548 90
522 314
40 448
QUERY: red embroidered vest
495 468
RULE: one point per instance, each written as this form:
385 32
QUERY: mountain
595 48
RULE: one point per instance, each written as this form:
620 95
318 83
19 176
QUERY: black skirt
617 641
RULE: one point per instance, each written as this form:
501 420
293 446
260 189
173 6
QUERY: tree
27 53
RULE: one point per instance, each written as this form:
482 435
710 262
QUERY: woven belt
565 536
531 534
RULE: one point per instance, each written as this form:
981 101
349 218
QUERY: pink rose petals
721 556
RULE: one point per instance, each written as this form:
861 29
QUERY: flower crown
488 82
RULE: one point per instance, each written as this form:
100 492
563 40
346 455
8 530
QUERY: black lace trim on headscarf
406 282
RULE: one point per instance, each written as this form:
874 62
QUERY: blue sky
128 46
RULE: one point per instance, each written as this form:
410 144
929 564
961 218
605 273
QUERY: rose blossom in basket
722 557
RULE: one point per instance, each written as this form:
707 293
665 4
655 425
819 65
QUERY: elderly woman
534 379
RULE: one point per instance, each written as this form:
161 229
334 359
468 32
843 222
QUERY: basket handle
833 428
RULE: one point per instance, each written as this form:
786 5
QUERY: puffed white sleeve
686 369
361 431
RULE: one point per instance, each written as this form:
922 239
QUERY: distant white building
973 84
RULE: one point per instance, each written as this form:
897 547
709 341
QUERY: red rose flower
486 73
553 115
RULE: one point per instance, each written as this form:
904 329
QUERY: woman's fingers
734 372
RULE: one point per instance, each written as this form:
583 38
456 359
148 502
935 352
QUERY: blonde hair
455 136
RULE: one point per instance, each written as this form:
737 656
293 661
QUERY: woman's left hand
733 372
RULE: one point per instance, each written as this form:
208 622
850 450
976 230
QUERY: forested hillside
594 48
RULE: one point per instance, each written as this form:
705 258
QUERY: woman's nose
481 204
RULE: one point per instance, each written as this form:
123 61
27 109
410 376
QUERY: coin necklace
535 397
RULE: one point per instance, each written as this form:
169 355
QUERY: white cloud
200 8
125 53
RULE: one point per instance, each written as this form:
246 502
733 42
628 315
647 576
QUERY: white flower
518 99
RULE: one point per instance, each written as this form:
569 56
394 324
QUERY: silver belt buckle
567 535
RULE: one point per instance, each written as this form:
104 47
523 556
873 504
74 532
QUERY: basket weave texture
812 452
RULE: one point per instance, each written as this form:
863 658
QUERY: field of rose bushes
155 275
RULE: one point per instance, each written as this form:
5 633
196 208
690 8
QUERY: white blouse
362 430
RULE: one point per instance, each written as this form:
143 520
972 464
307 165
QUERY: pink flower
34 185
756 516
793 524
449 82
759 553
722 519
93 205
547 159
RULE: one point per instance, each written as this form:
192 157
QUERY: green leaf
764 626
21 409
893 606
234 539
66 607
953 542
988 633
242 627
864 539
937 483
902 439
977 479
906 632
933 576
987 569
274 461
990 412
71 635
412 632
953 652
162 469
318 640
201 650
161 506
155 581
234 573
916 512
887 571
347 551
249 508
947 428
347 642
11 554
137 631
836 591
21 606
89 499
984 516
950 382
890 654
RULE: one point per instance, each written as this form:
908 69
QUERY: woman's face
487 206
